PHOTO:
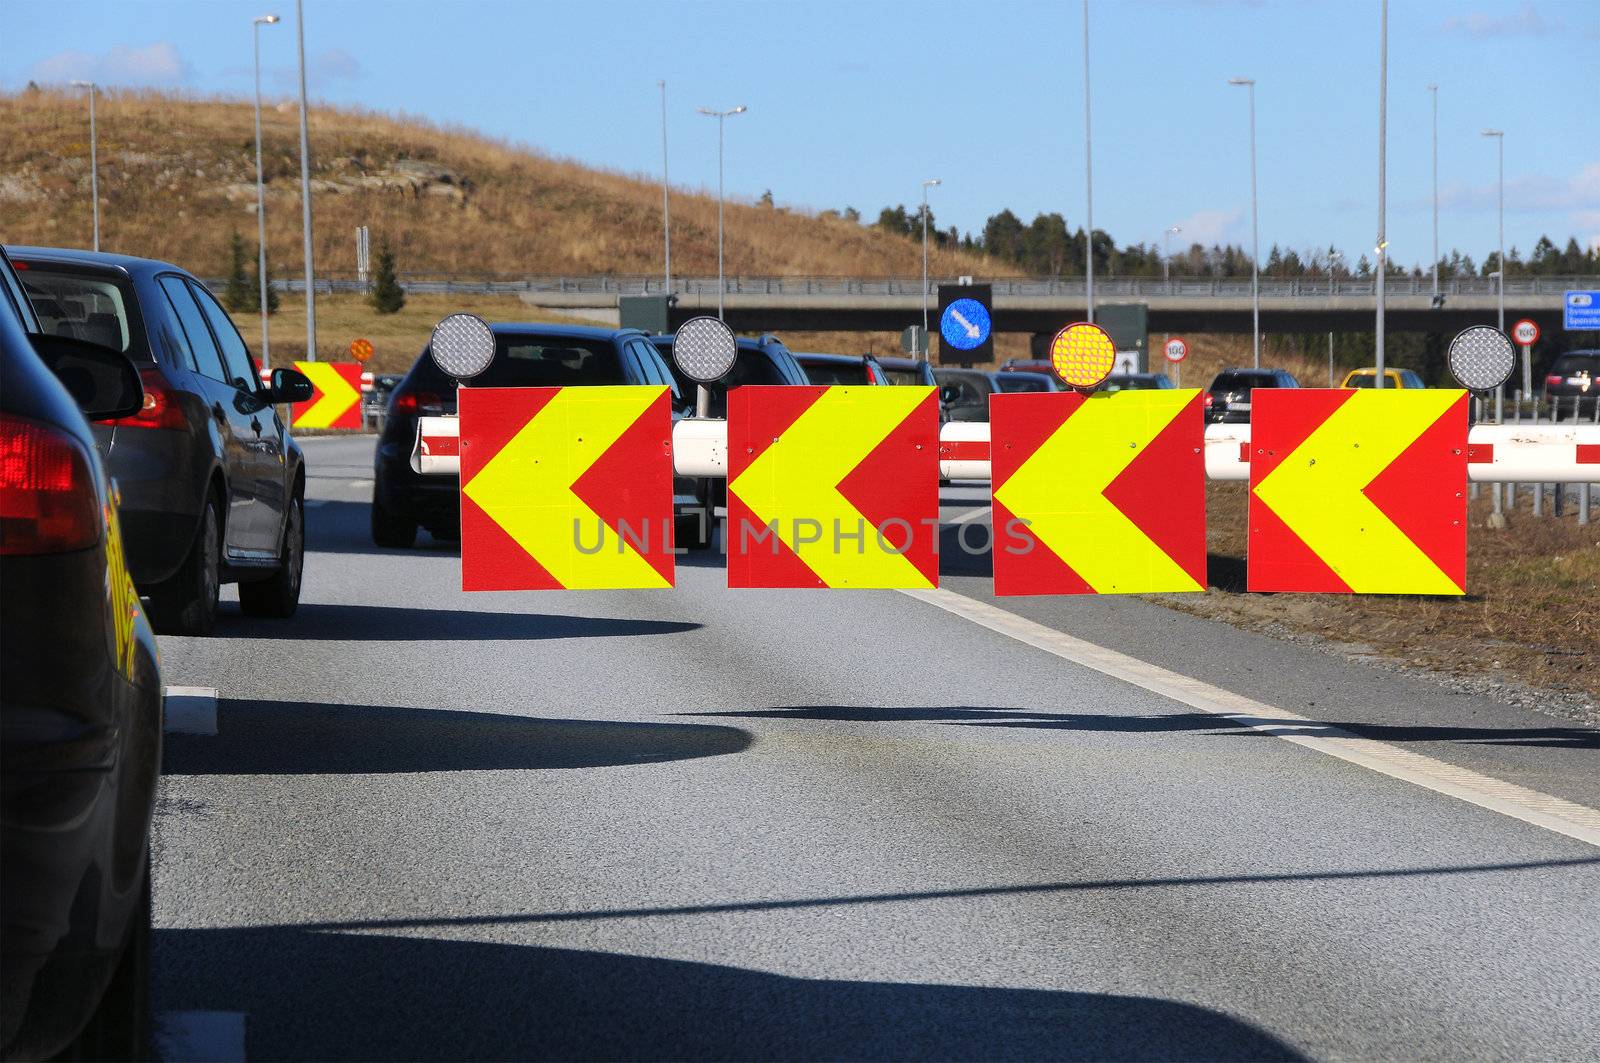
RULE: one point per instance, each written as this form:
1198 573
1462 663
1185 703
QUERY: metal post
94 160
1383 144
930 182
1255 235
1434 89
1088 175
1332 257
1166 256
721 117
666 214
305 187
261 196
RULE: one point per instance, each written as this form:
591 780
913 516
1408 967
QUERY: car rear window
1242 381
836 372
1015 382
535 362
93 307
1576 365
905 376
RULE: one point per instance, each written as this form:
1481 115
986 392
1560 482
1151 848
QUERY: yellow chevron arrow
1317 491
796 481
337 395
527 489
1060 490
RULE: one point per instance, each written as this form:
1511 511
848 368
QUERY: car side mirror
290 385
948 394
103 382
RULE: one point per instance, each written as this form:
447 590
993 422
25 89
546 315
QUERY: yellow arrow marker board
566 488
336 402
1358 490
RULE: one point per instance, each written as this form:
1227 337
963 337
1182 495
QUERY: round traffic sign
1525 332
965 324
361 350
1176 349
1083 354
704 348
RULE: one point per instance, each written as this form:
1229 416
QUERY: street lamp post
1166 254
721 117
931 182
1255 241
1088 177
94 161
1434 91
261 193
1498 519
666 216
1332 257
305 187
1383 173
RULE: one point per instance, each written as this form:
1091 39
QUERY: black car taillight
419 403
48 503
160 410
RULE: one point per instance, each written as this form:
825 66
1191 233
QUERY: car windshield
836 372
1233 381
85 307
1129 383
1015 382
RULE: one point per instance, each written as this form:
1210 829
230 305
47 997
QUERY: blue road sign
965 324
1582 311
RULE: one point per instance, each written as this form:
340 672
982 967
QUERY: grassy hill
177 177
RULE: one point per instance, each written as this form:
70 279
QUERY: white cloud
1209 227
154 64
1533 192
323 71
1524 22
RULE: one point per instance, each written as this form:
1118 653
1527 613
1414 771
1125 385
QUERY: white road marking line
185 1036
191 710
1542 810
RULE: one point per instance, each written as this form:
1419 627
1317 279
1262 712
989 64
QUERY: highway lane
703 823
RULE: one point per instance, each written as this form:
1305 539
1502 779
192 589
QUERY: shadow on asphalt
288 738
369 996
1558 737
392 623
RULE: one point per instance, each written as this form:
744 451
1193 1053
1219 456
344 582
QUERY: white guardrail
1496 453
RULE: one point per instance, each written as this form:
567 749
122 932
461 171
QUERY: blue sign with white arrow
1582 311
965 324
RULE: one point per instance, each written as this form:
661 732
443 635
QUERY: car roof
900 363
78 257
745 342
939 370
830 359
548 331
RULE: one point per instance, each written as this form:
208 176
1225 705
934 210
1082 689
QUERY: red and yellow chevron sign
833 487
1098 495
566 488
1358 490
336 402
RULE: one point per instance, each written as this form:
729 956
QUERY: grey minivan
211 488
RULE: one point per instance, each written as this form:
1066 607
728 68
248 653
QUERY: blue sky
855 103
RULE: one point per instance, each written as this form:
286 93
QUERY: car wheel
390 528
279 596
186 604
120 1026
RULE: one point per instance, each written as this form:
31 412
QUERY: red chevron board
1358 490
1102 494
566 488
833 487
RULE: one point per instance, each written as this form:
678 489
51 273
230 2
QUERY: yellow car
1392 378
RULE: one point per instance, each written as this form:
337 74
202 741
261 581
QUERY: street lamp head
1433 87
1493 133
266 20
931 182
83 84
1241 81
1175 229
741 109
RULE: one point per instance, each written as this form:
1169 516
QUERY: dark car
1136 382
1012 381
758 361
913 371
841 369
80 711
211 486
526 356
1228 398
1574 377
1027 365
964 393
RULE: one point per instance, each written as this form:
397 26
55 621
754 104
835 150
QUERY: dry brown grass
177 178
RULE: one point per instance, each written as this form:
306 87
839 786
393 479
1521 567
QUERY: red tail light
47 494
1552 381
161 408
1210 400
413 403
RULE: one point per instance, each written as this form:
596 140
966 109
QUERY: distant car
1136 382
841 369
912 371
212 487
758 361
80 710
1012 381
525 356
1400 379
1574 375
1228 398
964 393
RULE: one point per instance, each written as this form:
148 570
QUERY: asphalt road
710 824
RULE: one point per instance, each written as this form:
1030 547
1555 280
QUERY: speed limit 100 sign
1525 332
1176 350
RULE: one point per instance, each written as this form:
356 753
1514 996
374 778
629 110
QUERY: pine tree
387 296
239 295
